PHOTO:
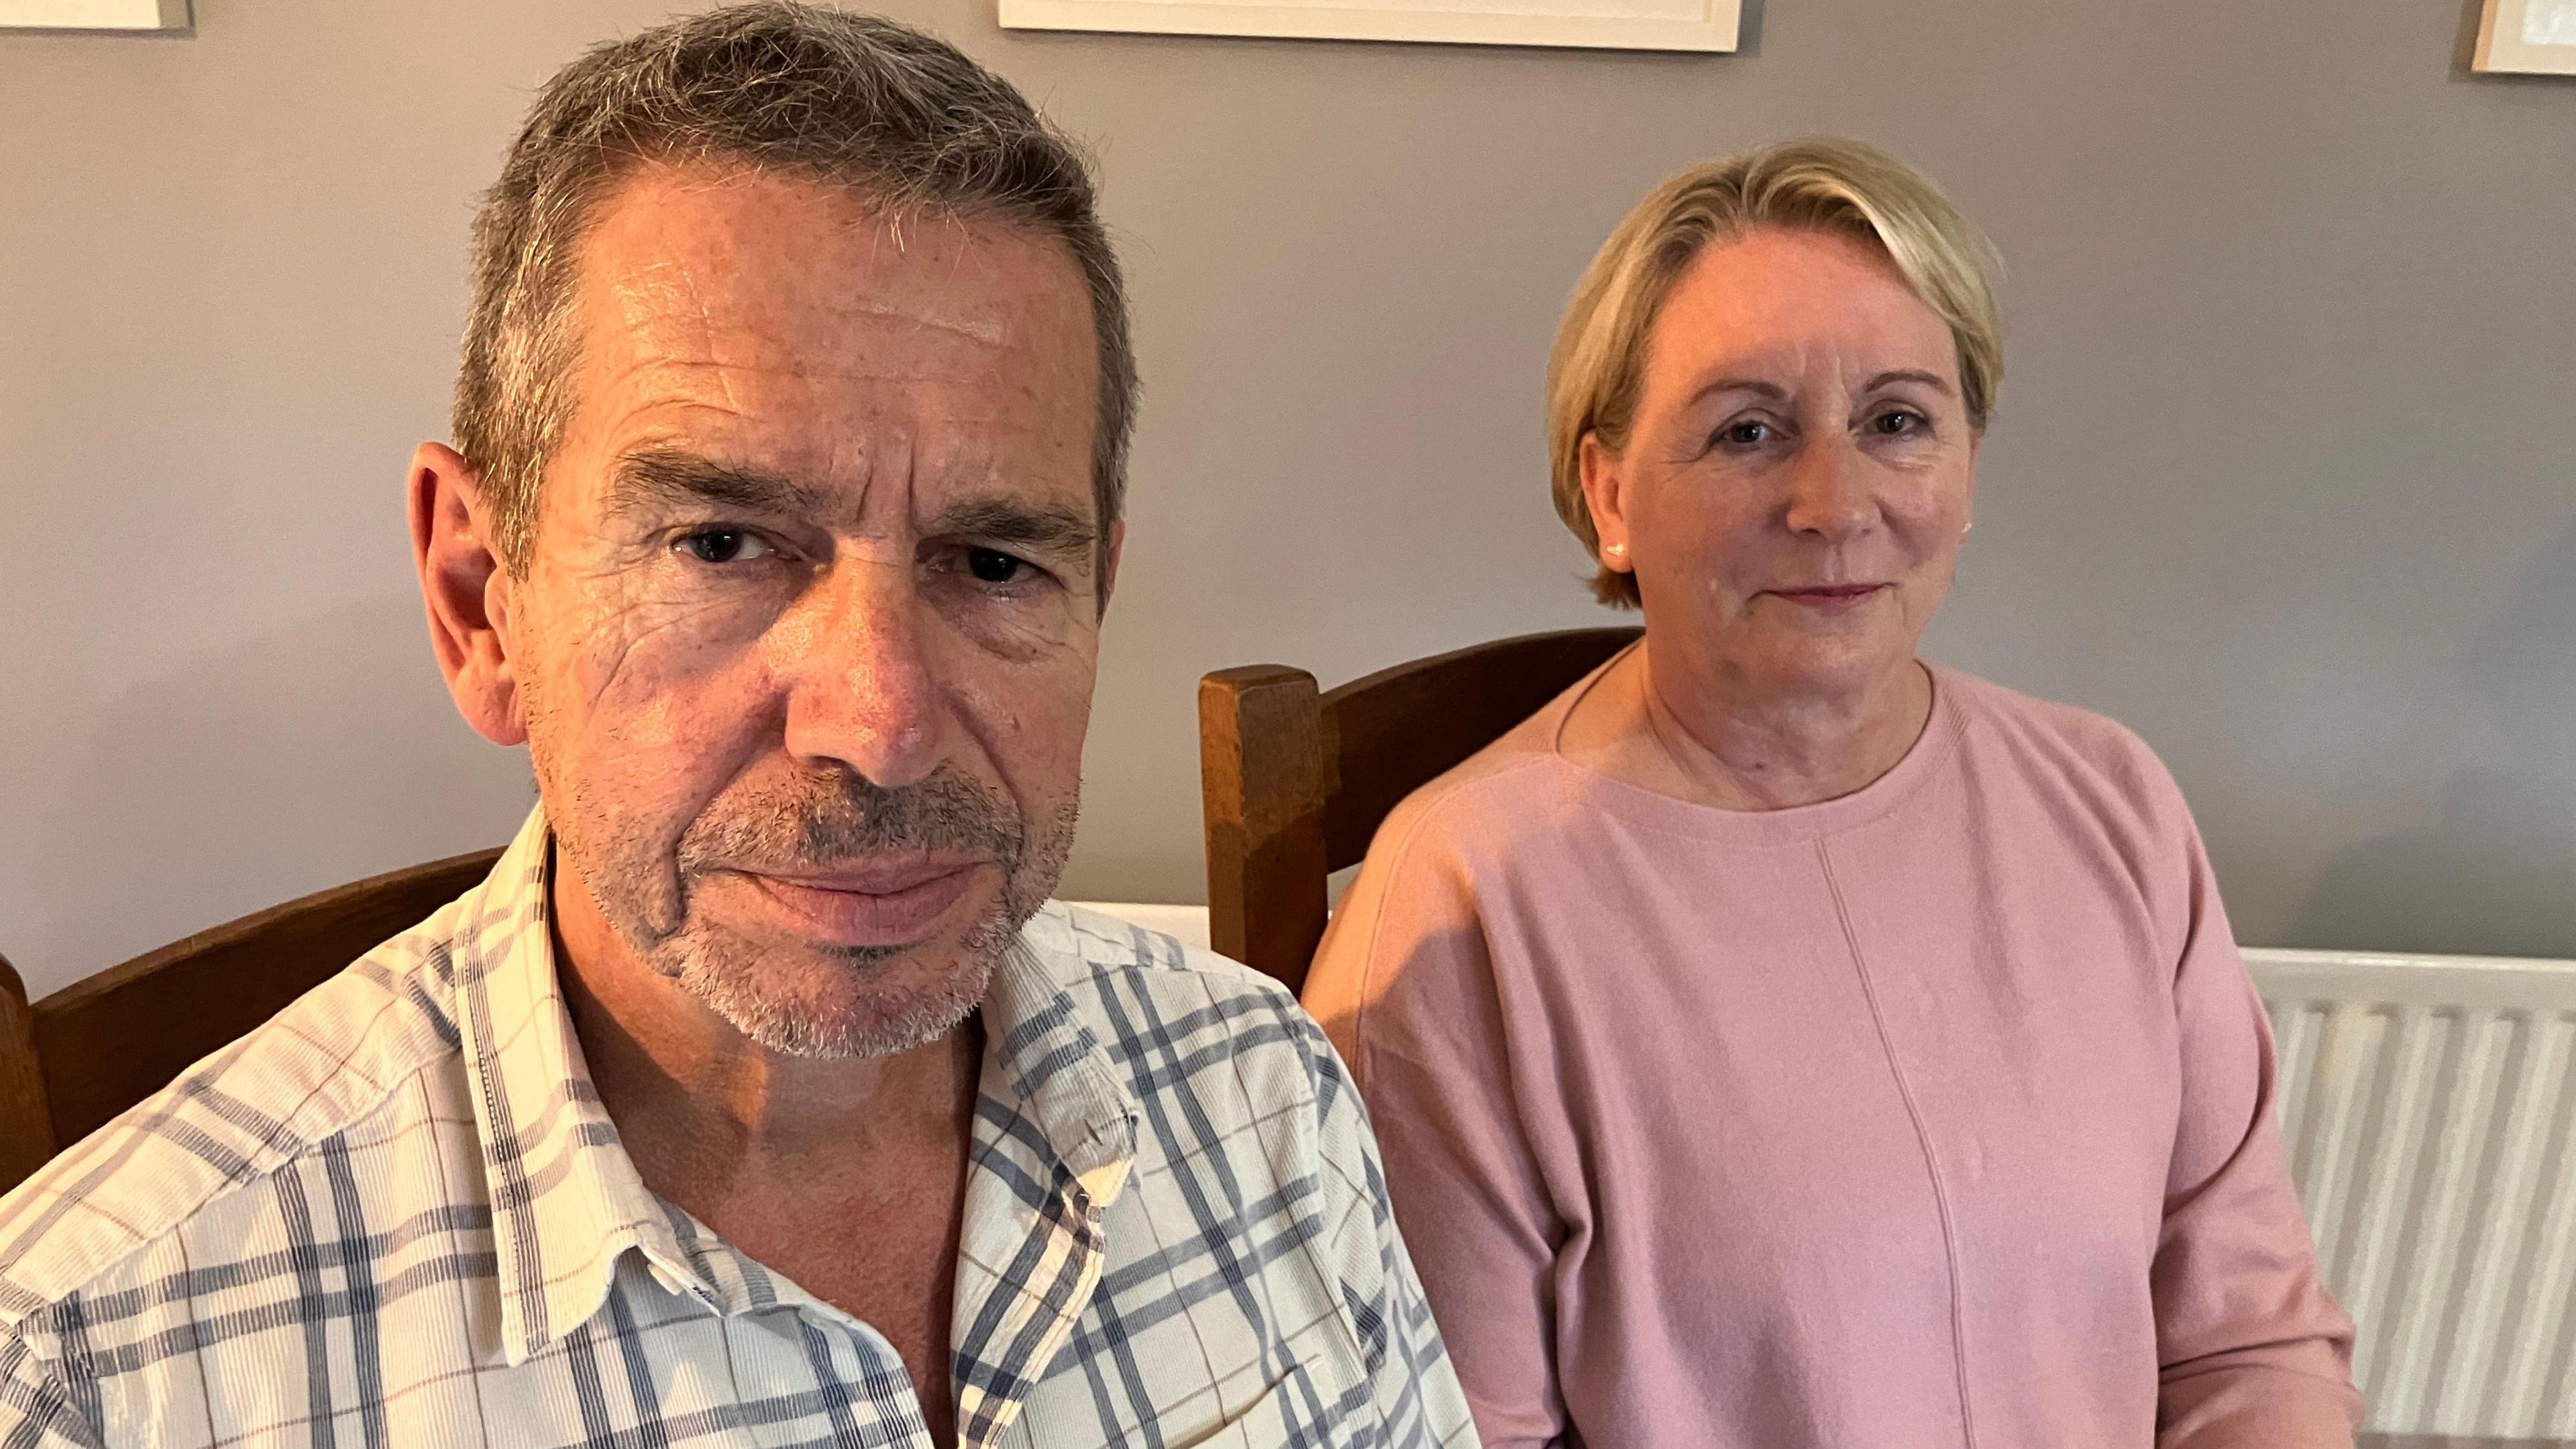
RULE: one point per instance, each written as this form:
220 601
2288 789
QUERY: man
759 1096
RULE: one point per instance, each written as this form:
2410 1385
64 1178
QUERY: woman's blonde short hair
1596 370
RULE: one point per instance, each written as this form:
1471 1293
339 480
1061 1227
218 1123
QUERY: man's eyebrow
1014 523
674 478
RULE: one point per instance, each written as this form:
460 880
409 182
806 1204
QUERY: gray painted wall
2283 476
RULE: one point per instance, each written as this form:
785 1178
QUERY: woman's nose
861 687
1830 491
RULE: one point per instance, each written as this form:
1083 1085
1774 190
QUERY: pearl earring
1617 550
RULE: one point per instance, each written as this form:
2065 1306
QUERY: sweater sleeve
2254 1353
1404 985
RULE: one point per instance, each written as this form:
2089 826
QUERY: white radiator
2427 1104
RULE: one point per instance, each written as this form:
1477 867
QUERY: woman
1777 1041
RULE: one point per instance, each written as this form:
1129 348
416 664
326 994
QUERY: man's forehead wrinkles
839 326
923 309
660 296
793 369
658 290
688 281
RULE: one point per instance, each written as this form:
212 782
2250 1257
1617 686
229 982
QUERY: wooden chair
89 1051
1294 781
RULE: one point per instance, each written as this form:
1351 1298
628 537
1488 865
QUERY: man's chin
826 1007
797 996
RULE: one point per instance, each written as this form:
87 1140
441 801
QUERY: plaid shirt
398 1214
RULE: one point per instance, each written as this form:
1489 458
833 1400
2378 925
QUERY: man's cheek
679 744
1047 737
1034 631
669 720
634 649
636 662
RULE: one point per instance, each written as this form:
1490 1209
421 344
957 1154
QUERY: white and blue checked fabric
398 1215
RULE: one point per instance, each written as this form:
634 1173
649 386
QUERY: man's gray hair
776 85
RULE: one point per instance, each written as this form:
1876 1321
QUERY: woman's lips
873 904
1830 598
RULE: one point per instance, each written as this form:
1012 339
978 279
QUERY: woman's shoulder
1405 943
2064 747
1492 799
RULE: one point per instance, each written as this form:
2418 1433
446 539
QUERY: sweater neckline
1794 825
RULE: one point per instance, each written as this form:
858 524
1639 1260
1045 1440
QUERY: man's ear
466 589
1109 563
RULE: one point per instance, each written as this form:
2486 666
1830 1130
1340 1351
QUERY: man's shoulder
1112 946
177 1163
1173 1017
1114 967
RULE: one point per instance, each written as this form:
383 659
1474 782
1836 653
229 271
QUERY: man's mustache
828 818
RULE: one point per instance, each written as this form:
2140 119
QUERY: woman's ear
466 589
1605 494
1968 519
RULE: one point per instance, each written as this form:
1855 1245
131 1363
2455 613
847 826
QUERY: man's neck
847 1177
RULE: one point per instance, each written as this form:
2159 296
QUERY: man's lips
867 903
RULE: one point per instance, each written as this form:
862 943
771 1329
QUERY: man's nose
1830 491
860 687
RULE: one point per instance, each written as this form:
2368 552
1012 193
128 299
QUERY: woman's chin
1825 667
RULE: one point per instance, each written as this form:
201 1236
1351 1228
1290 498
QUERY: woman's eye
992 566
723 545
1746 433
1897 423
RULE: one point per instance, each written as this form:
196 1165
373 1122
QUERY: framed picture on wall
172 15
2532 37
1597 24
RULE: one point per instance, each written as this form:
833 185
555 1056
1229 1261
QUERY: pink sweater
1940 1114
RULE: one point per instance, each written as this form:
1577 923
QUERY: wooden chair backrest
1294 781
77 1058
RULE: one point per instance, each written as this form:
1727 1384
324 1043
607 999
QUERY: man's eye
992 566
723 545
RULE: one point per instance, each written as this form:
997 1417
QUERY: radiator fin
2427 1106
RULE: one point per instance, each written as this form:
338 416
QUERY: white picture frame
114 15
1683 25
2527 37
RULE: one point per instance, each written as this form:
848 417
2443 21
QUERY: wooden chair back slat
1294 782
26 1124
1395 731
110 1041
1261 776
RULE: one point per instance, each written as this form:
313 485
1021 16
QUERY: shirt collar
1042 1056
567 1202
